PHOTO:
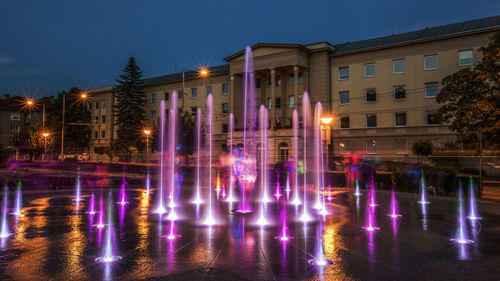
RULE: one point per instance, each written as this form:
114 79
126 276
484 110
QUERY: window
343 147
371 121
15 116
194 110
344 97
269 103
283 152
209 90
344 73
257 83
400 146
291 79
180 94
430 119
345 122
291 101
14 128
399 93
465 58
167 96
96 135
103 104
103 119
371 95
225 108
300 100
278 102
430 62
225 128
400 119
369 70
278 81
96 120
431 90
371 146
269 83
398 66
103 134
153 115
225 89
194 93
96 105
153 98
300 78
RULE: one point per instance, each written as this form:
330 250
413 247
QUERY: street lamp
326 122
203 72
82 96
147 132
45 135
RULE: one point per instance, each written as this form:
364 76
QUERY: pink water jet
172 127
394 206
231 197
123 197
92 205
296 200
373 200
278 194
19 200
263 119
209 219
305 217
370 220
100 223
108 248
160 208
317 155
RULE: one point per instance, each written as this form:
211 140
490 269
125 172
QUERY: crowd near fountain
248 189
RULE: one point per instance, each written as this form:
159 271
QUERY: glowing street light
147 132
203 72
326 120
45 135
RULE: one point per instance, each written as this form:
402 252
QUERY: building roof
430 33
188 75
266 45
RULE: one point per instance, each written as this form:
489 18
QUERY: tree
188 133
422 148
470 98
76 137
129 108
30 141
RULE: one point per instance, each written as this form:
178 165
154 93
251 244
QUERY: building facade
380 92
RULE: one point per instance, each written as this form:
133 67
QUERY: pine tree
129 108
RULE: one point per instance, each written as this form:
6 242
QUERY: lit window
430 62
431 90
153 98
430 119
371 95
225 89
371 121
344 73
400 146
398 66
465 58
371 146
291 101
345 122
399 93
369 70
400 119
344 97
153 115
225 108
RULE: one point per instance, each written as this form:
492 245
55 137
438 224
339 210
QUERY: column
231 94
296 86
273 97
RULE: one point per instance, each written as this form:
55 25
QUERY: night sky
46 46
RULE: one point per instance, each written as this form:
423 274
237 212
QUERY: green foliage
30 141
470 98
422 148
129 108
4 153
188 133
76 137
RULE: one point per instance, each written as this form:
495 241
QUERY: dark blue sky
46 46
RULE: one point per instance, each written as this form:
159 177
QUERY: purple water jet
295 120
370 219
19 200
160 208
231 197
472 202
209 219
394 205
278 194
108 247
305 114
172 119
461 236
4 229
263 119
197 199
92 204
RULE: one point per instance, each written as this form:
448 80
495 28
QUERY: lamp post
147 132
45 135
326 122
82 96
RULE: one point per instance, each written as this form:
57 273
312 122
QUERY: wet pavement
53 240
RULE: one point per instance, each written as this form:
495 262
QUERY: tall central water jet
197 200
108 248
317 156
172 119
210 220
263 120
305 114
461 237
472 202
295 120
160 209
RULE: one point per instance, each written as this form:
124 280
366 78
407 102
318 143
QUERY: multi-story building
380 92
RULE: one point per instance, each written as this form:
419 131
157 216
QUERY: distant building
380 92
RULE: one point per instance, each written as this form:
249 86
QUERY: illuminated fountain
373 196
472 202
283 236
172 126
231 197
317 156
217 184
263 119
92 205
209 220
461 236
77 189
197 200
123 196
4 229
296 199
171 234
305 114
394 205
160 209
108 248
19 200
278 194
370 219
357 192
100 222
423 191
287 185
329 193
320 259
148 183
